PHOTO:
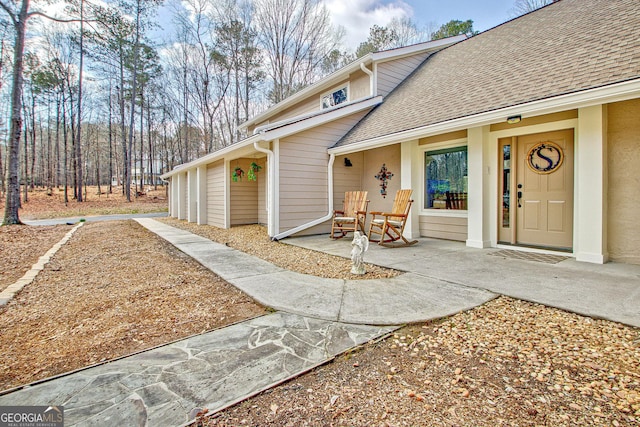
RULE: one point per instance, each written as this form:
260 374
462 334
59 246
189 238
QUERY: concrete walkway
610 291
319 318
441 278
409 297
161 387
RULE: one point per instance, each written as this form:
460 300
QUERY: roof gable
566 47
343 75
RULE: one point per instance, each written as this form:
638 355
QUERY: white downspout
370 74
270 187
318 221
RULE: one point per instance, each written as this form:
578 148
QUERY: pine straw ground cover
41 205
506 363
113 289
253 239
21 246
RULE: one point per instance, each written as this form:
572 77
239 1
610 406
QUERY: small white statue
360 244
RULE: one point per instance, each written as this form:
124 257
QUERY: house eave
604 94
279 132
327 82
212 157
399 52
322 115
332 79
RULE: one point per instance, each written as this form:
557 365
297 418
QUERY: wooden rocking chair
352 216
391 225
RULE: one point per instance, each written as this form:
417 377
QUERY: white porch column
480 189
181 194
192 195
201 185
590 217
410 177
227 193
275 187
172 197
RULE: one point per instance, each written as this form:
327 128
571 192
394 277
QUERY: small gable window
334 98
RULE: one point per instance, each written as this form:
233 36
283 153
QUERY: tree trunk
110 142
98 161
72 119
66 159
25 194
134 89
57 183
126 166
42 163
141 160
49 162
1 175
12 205
185 156
78 151
33 139
2 171
151 173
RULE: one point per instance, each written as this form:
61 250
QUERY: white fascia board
600 95
388 55
320 119
212 157
292 120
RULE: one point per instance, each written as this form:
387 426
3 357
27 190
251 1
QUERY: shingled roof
566 47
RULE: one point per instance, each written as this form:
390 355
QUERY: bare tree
78 147
19 14
19 19
520 7
238 51
407 31
296 36
3 51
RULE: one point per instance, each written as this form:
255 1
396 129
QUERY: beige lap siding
347 178
443 227
184 192
243 196
373 161
391 73
303 173
215 194
624 181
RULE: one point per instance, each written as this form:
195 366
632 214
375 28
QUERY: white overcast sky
357 16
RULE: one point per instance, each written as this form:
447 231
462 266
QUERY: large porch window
446 179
